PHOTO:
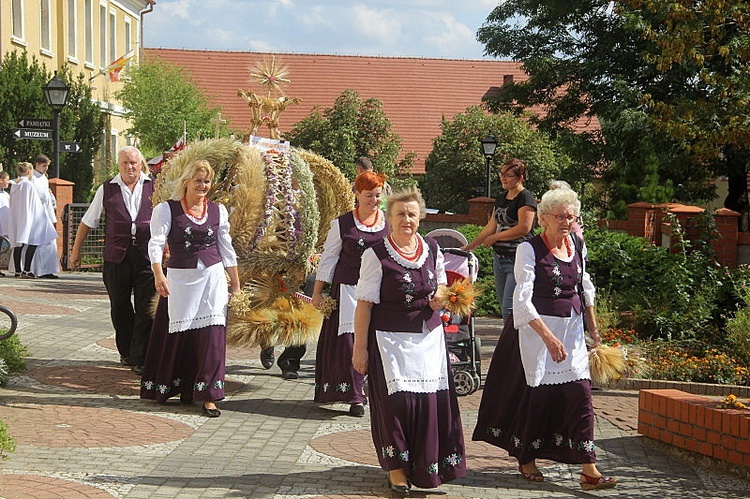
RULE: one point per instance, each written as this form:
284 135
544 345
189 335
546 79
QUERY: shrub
738 327
6 442
672 362
13 353
661 294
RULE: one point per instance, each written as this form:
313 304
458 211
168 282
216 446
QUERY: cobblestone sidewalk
82 431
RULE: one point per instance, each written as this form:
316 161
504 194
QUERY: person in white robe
29 225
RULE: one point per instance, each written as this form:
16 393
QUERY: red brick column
480 210
725 246
641 221
63 192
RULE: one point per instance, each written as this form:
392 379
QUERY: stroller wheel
465 383
477 381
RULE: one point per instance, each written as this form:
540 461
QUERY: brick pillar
641 218
480 210
688 218
63 192
725 246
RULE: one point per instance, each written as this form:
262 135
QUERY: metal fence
92 251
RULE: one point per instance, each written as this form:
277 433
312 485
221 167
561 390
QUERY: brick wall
644 220
694 423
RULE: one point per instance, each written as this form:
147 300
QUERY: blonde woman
187 350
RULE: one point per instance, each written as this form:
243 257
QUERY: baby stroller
463 345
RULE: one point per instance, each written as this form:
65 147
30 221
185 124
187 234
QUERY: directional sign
70 147
32 133
34 123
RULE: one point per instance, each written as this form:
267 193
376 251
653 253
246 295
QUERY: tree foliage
456 168
705 48
350 129
81 120
586 59
21 96
159 99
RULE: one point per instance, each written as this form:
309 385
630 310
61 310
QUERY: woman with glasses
511 223
537 400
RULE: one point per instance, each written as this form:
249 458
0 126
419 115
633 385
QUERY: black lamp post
56 93
489 145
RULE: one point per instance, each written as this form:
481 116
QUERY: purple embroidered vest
117 234
556 283
189 241
405 293
354 242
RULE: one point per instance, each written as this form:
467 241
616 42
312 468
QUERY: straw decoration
280 207
606 364
458 298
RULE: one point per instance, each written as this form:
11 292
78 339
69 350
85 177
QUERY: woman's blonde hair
558 196
23 168
193 169
407 195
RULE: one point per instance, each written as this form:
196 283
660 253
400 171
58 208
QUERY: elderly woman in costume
187 350
537 400
349 236
398 342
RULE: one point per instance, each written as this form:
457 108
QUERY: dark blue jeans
505 282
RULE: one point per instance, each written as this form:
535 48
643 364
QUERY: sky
443 29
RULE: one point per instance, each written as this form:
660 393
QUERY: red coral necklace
549 246
356 215
411 256
189 211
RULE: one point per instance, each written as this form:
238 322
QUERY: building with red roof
416 93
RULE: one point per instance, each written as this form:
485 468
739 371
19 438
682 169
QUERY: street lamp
56 93
489 145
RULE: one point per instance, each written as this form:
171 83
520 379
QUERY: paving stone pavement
82 431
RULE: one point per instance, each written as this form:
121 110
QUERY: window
88 30
72 31
16 8
45 37
128 39
103 36
112 37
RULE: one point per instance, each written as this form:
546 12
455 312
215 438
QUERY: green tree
456 169
585 59
81 121
159 98
349 129
706 45
21 96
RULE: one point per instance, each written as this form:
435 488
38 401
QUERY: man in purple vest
126 200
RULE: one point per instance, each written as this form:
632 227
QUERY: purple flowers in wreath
280 205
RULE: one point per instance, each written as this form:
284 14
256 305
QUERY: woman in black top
511 223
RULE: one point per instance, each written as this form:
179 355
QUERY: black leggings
30 250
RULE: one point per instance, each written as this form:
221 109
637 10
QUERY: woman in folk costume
28 226
349 236
398 342
537 401
187 349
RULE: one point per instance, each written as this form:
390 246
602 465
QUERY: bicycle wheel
8 323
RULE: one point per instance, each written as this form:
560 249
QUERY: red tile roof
416 93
